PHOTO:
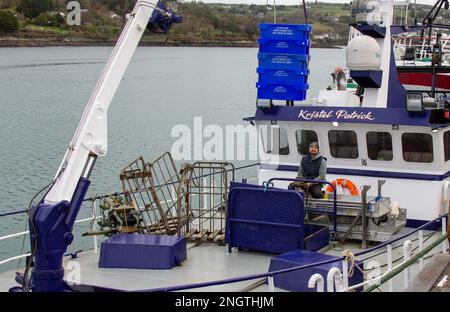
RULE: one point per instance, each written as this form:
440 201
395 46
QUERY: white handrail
444 232
316 281
27 232
389 266
334 275
14 258
14 235
407 251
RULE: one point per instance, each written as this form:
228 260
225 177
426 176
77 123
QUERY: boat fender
395 208
446 192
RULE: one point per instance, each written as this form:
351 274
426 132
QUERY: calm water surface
43 92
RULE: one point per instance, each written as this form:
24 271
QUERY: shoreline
57 41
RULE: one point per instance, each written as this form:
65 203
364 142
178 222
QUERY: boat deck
210 262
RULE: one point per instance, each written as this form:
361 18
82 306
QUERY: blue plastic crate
283 61
284 76
285 31
283 46
133 251
282 91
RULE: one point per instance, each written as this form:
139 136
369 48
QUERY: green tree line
201 22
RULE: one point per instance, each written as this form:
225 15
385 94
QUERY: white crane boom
90 138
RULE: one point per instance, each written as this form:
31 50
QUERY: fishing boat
422 57
198 228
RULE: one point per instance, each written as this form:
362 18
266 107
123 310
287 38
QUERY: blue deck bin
284 76
133 251
284 46
282 91
283 61
285 31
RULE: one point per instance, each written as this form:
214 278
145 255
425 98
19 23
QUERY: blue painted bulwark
270 220
367 78
298 280
134 251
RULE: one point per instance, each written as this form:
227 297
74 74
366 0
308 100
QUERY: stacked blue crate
283 62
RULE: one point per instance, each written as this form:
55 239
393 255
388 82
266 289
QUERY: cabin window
379 146
304 138
417 147
447 145
343 144
274 140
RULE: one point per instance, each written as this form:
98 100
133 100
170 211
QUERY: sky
290 2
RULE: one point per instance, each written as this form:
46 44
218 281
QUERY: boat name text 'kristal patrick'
339 114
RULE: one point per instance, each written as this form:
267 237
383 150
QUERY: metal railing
91 219
21 234
334 274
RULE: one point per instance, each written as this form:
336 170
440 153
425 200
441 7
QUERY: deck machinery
376 216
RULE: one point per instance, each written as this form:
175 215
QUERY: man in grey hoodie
313 166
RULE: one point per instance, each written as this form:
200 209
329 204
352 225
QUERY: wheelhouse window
274 140
447 145
379 146
343 144
417 147
304 138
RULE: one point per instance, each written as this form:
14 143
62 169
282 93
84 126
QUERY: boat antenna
304 11
274 11
415 12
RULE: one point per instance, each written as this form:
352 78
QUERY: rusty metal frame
206 187
137 188
167 192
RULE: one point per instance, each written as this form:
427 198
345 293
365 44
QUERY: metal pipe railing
28 232
288 270
93 199
318 182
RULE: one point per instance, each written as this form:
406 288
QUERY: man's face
313 150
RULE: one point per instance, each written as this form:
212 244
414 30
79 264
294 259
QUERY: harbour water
43 92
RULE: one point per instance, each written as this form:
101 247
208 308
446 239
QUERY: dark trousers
315 191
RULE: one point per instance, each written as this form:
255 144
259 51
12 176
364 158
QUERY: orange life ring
344 183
